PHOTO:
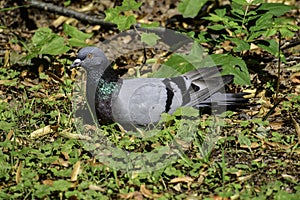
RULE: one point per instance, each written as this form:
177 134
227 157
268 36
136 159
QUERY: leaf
129 5
185 179
75 171
270 32
181 63
244 140
285 32
214 18
6 126
240 2
124 22
176 65
41 132
233 66
270 46
41 36
111 14
216 27
73 32
60 185
190 8
150 38
186 111
150 25
241 45
77 43
276 9
264 22
221 12
55 46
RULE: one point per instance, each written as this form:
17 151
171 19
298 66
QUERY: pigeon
139 102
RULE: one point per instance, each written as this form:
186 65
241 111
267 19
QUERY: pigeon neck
99 81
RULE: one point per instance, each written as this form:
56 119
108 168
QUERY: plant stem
245 15
279 63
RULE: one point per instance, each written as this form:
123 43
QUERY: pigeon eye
89 55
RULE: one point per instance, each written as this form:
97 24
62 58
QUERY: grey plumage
141 101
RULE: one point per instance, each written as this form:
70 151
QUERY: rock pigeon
139 102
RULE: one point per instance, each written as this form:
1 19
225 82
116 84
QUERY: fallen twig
93 20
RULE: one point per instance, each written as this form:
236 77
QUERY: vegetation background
257 155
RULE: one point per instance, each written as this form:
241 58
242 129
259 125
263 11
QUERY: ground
256 155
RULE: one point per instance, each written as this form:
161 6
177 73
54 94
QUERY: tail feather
202 90
224 99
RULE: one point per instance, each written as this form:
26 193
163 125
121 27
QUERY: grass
250 160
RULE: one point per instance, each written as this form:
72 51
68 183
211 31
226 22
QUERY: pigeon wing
141 101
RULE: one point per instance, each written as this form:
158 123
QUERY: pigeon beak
76 63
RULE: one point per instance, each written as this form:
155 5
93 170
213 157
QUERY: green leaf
233 66
276 9
181 63
264 22
215 18
150 25
55 46
74 42
186 111
60 185
285 32
150 38
41 36
73 32
240 2
125 22
190 8
6 126
241 45
272 46
176 65
129 5
244 140
217 27
111 14
270 32
221 12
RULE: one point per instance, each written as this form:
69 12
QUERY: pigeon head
91 59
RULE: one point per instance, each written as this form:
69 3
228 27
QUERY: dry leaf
67 134
276 125
244 178
66 155
297 127
75 171
215 197
147 193
2 82
59 21
253 145
182 179
96 188
9 135
6 58
48 182
177 187
41 132
227 46
18 174
295 77
135 195
289 177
